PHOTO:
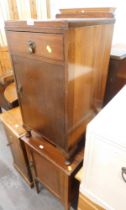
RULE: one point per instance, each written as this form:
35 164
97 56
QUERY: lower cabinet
13 127
49 169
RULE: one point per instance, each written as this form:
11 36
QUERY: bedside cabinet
60 71
48 168
12 122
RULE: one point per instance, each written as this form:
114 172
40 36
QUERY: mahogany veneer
60 70
48 168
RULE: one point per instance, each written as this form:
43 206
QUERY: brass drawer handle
124 173
31 47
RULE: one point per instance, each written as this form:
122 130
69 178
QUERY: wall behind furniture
41 9
21 10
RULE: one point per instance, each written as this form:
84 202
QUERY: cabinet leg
36 182
67 206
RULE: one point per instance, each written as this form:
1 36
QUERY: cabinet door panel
18 156
41 93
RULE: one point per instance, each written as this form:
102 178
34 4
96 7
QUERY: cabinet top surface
50 152
13 120
56 23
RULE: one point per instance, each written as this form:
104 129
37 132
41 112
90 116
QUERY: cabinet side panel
89 51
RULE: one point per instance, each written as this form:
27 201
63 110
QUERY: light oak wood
86 12
33 9
10 93
90 9
79 174
48 9
5 62
86 204
13 9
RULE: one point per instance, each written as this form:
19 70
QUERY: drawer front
49 175
103 175
36 44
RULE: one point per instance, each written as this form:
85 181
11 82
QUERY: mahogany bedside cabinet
12 122
60 69
50 170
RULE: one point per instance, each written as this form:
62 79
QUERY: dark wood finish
61 79
50 169
117 73
86 13
12 122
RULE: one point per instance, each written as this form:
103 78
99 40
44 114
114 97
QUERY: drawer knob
31 47
124 173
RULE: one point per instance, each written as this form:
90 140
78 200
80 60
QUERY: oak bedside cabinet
48 167
12 122
57 64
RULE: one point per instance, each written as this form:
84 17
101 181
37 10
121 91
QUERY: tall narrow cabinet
57 66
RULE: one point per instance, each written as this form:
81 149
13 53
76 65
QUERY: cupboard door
41 92
18 156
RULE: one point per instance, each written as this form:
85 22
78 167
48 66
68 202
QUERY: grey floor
15 194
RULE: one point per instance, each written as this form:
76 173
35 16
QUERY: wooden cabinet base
86 204
48 168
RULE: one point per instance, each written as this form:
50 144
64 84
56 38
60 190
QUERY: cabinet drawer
36 44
